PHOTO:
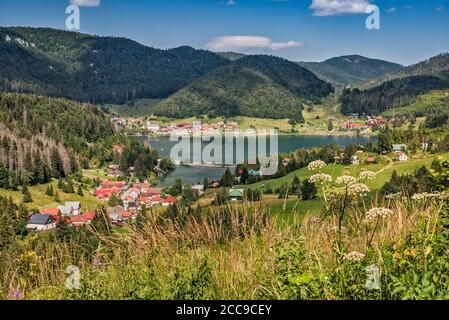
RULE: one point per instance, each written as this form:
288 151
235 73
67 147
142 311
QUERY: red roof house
168 201
113 184
82 219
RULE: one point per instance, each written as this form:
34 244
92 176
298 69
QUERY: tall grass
234 252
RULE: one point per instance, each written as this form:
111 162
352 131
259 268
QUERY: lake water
193 175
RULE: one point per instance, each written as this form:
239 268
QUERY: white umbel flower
358 189
376 213
368 175
317 164
354 256
320 178
346 180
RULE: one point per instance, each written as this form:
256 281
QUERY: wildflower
96 262
320 178
393 196
15 294
354 256
358 189
375 213
317 164
368 175
346 180
426 195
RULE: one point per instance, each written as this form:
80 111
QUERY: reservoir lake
193 174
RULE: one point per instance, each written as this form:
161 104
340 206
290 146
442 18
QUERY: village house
355 160
70 209
351 126
402 156
198 189
113 184
54 212
169 201
131 195
41 222
127 215
153 192
155 200
114 171
106 194
153 127
81 220
76 207
371 160
132 205
236 194
399 148
424 144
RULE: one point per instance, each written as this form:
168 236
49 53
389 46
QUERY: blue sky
300 30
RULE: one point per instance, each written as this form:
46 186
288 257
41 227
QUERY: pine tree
4 177
49 191
206 183
296 185
80 191
7 231
26 194
228 179
70 188
330 125
176 189
308 190
60 184
22 220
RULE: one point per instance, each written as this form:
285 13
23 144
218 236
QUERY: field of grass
41 200
338 170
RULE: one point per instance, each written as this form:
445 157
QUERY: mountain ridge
350 70
257 86
93 68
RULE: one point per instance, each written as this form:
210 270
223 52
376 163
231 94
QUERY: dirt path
390 164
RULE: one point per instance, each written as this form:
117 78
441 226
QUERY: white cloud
231 2
339 7
86 3
391 10
243 43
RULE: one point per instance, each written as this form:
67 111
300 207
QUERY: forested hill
351 70
403 88
430 67
43 137
256 86
97 69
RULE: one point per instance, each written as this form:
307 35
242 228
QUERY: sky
299 30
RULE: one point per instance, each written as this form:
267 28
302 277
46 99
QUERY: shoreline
284 134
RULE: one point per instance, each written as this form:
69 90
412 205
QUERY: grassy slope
138 108
337 170
284 208
40 200
438 99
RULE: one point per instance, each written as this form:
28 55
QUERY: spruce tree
26 194
80 191
49 191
